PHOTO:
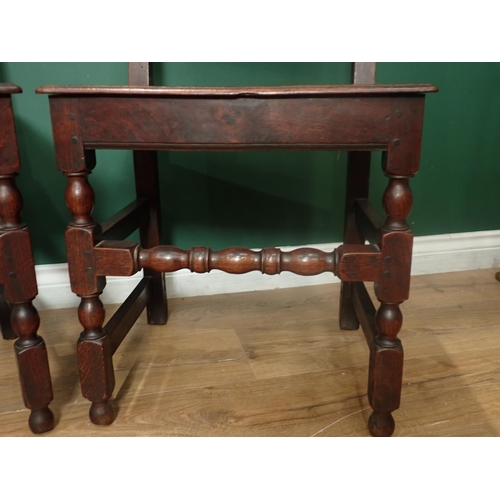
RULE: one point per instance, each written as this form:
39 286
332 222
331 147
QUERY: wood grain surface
275 90
275 363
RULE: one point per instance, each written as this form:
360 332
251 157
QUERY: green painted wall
270 198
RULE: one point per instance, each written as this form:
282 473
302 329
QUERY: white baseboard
431 254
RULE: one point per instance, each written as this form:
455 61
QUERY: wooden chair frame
358 118
18 317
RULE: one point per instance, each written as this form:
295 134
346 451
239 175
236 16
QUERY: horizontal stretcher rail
126 315
349 262
126 221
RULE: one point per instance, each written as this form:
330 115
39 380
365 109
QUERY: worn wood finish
358 118
147 185
232 92
276 363
349 262
369 219
125 222
357 186
125 317
19 318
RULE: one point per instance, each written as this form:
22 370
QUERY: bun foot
102 413
41 420
381 424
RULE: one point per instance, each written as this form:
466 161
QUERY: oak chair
18 317
358 118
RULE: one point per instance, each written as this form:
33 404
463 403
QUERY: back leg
5 311
357 186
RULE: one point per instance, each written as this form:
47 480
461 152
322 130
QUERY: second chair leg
33 366
19 287
357 186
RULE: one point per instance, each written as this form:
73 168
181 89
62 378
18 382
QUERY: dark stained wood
386 353
125 317
9 154
369 220
18 280
9 88
245 123
365 311
18 267
232 92
5 312
147 185
116 258
95 360
357 186
350 262
238 260
358 262
358 118
126 221
274 363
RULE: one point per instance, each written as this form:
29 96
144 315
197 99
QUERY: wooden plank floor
275 363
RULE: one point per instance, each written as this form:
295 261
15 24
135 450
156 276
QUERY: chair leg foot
41 420
381 424
102 413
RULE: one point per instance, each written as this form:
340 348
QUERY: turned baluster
386 357
11 203
33 366
19 280
95 361
93 347
397 202
238 260
80 199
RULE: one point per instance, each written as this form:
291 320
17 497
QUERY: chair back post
364 73
139 74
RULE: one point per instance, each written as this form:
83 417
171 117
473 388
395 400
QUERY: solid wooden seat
358 118
18 316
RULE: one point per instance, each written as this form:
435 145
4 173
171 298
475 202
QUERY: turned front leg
33 365
386 370
95 361
18 276
386 352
